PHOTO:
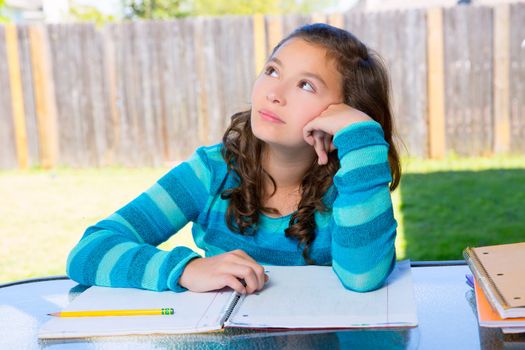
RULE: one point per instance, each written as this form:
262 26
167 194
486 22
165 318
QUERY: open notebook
296 297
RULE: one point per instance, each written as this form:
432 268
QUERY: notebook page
313 297
401 298
194 312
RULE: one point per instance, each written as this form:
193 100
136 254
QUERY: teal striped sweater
356 237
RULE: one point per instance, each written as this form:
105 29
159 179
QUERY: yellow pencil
97 313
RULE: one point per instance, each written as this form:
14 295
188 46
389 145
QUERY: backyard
441 207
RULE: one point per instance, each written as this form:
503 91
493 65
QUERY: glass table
445 306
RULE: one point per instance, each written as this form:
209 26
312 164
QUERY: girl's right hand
320 131
224 270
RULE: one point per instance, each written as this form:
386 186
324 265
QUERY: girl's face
297 83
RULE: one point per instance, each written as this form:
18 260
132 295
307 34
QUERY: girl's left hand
319 131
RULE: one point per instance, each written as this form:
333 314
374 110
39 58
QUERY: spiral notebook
500 271
295 297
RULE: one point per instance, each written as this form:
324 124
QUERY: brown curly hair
365 87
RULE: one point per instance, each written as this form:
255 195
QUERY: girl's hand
320 130
228 269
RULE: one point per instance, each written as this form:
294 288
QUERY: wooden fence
144 93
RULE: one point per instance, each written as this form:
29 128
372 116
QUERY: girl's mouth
271 117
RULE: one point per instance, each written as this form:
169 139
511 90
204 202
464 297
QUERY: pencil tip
53 314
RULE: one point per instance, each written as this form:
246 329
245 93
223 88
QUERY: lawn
441 207
446 206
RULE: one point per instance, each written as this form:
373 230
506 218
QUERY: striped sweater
356 236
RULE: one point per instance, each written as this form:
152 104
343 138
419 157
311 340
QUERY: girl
303 177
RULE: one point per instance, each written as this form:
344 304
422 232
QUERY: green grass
446 206
441 207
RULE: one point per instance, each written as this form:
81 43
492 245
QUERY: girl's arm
363 224
120 251
363 227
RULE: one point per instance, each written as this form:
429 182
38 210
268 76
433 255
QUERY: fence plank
468 79
8 157
67 59
336 20
245 55
176 101
124 149
214 65
403 49
501 79
517 75
188 119
17 99
232 45
26 74
158 92
259 40
436 100
274 32
60 64
410 82
404 52
44 97
202 106
99 93
288 24
111 96
132 144
318 18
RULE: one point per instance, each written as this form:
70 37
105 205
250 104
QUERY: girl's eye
307 86
270 71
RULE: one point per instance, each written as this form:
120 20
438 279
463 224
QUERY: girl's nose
273 98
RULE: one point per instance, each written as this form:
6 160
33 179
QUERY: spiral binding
232 307
473 259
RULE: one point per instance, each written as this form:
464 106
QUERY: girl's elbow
363 285
73 272
77 276
368 280
76 264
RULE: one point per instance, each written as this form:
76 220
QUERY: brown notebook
500 270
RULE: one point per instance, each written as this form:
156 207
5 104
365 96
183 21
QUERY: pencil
97 313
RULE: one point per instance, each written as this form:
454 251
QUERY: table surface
445 308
